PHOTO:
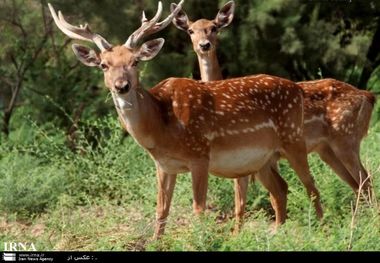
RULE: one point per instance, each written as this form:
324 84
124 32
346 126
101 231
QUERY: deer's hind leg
329 157
270 178
296 155
348 152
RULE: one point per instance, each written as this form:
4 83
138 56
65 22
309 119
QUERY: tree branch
36 91
6 80
37 52
17 25
14 62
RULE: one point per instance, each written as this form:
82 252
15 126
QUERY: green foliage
29 186
31 173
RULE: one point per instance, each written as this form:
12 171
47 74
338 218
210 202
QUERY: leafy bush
28 186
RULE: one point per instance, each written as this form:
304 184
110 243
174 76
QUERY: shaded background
299 40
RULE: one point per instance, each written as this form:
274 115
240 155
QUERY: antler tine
150 27
169 19
144 19
80 33
157 16
145 26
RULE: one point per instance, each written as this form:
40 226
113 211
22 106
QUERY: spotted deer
204 36
337 115
337 118
229 128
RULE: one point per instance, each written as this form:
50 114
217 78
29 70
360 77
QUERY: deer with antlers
229 128
337 115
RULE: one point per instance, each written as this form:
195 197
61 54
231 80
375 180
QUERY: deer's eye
191 31
214 29
104 66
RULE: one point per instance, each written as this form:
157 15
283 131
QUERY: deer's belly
171 165
238 162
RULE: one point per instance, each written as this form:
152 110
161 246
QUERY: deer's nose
205 46
122 86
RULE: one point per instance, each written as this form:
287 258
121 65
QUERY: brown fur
343 114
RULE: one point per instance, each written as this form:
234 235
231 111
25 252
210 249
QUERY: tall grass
102 197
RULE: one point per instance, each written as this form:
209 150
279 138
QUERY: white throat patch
121 103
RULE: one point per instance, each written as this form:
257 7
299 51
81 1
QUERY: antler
79 33
150 27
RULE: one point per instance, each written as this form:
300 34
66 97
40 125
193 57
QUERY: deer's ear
181 21
86 55
149 49
225 15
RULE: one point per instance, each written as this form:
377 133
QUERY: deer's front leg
199 173
165 185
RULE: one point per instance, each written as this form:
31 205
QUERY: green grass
104 199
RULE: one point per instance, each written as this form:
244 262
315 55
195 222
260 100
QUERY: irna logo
19 246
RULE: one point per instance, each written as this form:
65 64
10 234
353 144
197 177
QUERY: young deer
332 109
228 128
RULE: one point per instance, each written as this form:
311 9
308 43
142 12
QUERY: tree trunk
372 59
6 119
9 110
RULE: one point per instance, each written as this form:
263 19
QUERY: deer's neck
140 113
209 67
